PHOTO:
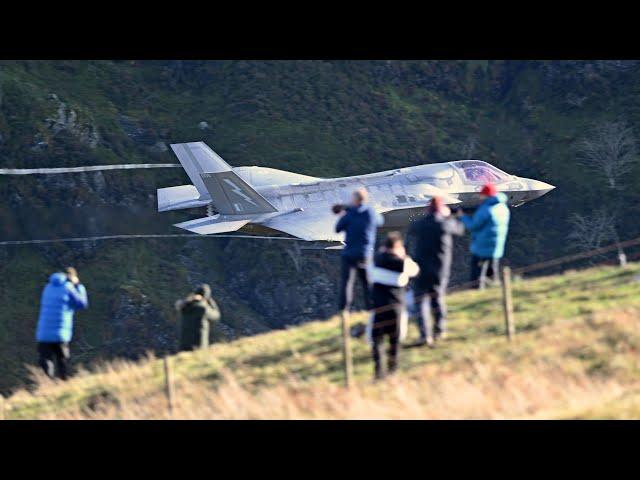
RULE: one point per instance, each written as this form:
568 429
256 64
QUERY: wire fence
507 301
143 236
92 168
169 378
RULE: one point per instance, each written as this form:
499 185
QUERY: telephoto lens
337 208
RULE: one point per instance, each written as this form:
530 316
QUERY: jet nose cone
538 188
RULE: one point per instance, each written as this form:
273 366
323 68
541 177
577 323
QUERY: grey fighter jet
266 201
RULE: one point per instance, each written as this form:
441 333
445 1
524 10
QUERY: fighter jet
267 201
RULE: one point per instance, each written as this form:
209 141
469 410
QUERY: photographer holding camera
61 297
359 221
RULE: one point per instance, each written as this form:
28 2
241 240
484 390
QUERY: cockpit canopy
479 172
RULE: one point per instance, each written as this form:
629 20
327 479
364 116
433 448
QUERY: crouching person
198 311
62 296
390 275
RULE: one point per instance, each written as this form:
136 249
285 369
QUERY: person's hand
74 279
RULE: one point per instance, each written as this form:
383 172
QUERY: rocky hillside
313 117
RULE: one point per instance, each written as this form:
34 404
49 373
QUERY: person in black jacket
432 242
390 275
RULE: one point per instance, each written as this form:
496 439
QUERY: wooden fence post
346 349
507 303
168 384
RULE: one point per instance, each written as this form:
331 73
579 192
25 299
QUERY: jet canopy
479 172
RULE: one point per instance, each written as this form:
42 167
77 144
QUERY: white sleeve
411 268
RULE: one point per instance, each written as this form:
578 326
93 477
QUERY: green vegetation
577 341
314 117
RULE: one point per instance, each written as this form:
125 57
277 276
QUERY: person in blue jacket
61 297
359 222
489 226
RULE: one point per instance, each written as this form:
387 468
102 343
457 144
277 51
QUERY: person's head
204 290
435 205
393 242
488 190
359 197
72 274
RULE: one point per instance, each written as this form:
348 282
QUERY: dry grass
567 361
478 393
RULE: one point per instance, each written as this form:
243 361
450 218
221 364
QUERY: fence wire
92 168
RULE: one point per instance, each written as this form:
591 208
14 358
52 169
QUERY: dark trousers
483 268
391 330
52 355
432 310
352 269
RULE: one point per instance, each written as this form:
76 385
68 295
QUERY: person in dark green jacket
198 311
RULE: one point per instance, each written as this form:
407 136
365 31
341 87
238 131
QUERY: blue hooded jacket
489 226
60 298
360 225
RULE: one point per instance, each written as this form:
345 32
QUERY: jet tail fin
231 195
197 158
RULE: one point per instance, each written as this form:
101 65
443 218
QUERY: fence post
507 303
346 348
168 384
622 259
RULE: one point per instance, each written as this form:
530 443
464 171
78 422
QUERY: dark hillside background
313 117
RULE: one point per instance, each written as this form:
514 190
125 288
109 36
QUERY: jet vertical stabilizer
233 196
197 158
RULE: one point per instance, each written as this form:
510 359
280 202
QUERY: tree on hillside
589 232
611 149
469 146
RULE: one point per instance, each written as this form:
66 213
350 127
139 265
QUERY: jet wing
211 225
307 225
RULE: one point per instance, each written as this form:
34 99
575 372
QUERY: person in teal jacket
489 226
63 295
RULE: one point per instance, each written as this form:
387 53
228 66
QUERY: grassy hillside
575 356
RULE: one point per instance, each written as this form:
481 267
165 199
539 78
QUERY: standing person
390 274
489 226
61 297
359 222
432 240
198 311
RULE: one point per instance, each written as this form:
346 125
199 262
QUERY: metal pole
346 349
168 384
507 303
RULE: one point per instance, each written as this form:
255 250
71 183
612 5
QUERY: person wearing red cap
432 239
489 226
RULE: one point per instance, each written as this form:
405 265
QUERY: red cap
489 190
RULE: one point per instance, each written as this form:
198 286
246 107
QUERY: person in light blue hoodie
61 297
489 226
